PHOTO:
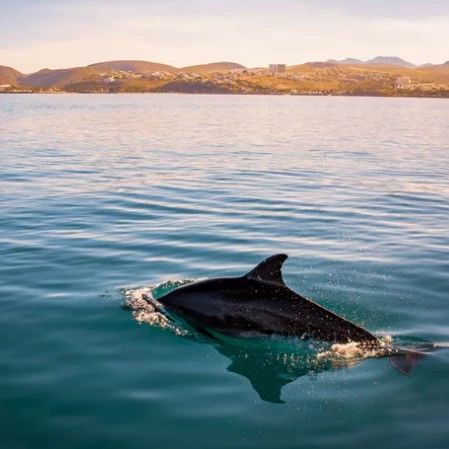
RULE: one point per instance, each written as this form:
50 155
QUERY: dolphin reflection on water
269 367
260 304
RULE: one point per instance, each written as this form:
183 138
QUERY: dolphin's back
260 302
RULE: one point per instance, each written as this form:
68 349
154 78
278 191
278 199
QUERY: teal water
104 197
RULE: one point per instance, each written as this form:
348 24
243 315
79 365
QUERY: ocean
107 198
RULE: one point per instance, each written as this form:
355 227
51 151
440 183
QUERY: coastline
444 96
309 79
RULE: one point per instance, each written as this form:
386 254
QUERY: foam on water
146 309
354 351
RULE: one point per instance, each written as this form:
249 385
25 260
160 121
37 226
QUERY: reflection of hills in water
268 363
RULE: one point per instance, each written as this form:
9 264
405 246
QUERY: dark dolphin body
260 302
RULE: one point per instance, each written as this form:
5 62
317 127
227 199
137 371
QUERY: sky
36 34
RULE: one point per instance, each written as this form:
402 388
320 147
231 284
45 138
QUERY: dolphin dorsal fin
269 270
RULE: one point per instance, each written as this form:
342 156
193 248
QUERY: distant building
277 68
4 86
403 82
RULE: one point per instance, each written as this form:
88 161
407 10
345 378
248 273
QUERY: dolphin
260 303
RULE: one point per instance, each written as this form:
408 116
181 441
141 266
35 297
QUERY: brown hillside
435 73
57 78
8 75
63 77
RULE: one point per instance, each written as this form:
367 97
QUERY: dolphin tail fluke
405 360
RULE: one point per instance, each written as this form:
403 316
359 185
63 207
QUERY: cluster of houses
113 76
244 80
231 75
10 89
238 79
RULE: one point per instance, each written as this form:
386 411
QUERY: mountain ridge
378 60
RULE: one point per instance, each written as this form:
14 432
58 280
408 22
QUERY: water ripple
100 194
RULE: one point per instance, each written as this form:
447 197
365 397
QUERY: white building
4 86
277 68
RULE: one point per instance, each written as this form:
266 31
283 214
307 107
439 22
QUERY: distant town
381 76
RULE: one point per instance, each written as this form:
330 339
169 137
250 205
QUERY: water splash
353 352
142 301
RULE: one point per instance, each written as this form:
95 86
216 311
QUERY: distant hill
47 78
133 66
322 64
8 75
63 77
346 61
351 61
378 60
212 67
438 73
431 67
390 60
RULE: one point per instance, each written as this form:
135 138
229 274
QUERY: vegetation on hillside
349 77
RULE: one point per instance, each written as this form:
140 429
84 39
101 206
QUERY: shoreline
243 94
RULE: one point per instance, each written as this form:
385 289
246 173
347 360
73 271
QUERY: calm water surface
101 196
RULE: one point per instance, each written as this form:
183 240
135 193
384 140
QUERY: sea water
112 200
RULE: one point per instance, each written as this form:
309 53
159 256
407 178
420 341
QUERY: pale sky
36 34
